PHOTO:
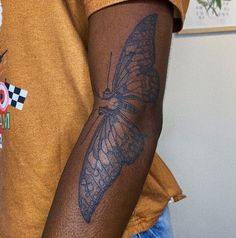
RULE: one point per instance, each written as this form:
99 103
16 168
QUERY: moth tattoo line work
117 141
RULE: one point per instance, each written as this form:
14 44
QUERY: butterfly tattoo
117 141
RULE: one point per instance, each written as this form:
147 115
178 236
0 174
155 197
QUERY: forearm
104 176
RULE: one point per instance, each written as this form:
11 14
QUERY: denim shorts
162 229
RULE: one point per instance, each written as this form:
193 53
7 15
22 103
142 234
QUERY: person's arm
128 56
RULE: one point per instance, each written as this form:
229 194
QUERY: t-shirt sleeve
180 8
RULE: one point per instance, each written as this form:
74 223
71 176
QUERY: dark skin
108 30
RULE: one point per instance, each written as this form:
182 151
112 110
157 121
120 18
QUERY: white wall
198 141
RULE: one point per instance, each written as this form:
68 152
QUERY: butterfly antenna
108 75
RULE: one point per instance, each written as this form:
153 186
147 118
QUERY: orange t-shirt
47 78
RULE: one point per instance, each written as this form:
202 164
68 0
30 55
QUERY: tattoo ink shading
117 141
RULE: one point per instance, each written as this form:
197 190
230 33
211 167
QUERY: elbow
149 119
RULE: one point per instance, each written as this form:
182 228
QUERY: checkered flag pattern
17 96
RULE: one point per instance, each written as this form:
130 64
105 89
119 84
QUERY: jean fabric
162 229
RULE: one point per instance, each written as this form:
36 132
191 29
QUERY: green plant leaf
204 3
219 3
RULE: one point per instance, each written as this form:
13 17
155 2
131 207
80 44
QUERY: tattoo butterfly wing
116 142
135 76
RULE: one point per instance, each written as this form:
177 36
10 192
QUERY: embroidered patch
4 98
17 96
10 95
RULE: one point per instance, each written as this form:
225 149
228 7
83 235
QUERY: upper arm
109 31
